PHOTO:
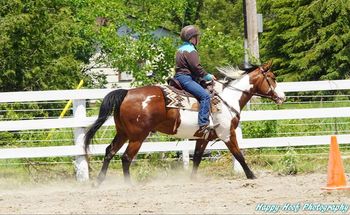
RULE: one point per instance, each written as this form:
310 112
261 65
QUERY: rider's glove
208 77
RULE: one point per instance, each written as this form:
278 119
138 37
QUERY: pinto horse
141 110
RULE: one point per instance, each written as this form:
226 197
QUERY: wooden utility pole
251 51
251 39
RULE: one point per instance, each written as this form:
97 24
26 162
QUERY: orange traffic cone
336 176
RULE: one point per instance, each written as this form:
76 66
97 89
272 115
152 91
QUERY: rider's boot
205 130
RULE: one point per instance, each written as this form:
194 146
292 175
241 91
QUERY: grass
148 167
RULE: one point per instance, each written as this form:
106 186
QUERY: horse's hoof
252 177
96 184
128 182
194 177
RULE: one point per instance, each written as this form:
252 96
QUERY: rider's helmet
188 32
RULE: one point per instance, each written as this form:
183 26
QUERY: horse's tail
111 101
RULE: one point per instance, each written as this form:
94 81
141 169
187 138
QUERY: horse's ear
267 65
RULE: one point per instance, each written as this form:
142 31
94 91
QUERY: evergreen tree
307 39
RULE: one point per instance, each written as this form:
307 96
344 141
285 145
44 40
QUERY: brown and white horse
141 110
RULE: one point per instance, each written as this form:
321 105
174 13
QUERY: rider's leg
201 95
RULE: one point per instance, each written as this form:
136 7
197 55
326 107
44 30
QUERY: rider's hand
209 77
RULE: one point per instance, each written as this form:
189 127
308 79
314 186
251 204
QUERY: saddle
176 87
177 97
208 85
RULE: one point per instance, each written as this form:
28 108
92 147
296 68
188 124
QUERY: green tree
222 39
148 58
307 39
41 47
46 44
140 53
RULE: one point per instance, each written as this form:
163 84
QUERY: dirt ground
269 193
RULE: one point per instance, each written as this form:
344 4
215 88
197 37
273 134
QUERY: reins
232 109
248 92
226 85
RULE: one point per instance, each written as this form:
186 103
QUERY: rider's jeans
201 95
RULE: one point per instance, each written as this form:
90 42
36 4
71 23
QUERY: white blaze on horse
141 110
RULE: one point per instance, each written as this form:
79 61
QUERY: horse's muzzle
279 96
279 100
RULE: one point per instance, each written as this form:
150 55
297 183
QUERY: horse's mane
232 72
236 72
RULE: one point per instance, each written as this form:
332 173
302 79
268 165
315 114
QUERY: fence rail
79 122
20 125
52 95
149 147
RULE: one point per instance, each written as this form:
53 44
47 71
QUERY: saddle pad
175 98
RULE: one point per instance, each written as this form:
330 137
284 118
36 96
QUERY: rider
188 69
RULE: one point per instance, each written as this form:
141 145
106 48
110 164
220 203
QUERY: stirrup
213 127
205 130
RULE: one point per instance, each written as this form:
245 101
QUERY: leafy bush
259 129
288 163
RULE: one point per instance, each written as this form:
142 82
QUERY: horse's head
265 84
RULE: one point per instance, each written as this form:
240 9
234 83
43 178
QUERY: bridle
271 87
266 95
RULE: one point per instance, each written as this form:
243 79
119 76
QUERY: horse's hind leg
111 150
198 153
129 154
232 145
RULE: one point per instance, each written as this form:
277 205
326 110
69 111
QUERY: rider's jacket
187 61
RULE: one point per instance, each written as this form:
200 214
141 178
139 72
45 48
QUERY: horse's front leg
198 153
232 145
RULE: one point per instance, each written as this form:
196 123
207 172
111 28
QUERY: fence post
186 158
81 164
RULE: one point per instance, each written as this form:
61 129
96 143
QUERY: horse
139 111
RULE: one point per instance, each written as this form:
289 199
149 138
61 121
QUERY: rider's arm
196 68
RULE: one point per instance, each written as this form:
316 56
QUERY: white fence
80 121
